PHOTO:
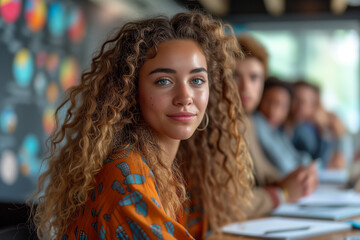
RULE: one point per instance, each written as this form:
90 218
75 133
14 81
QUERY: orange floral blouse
125 205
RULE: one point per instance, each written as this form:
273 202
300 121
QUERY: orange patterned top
125 205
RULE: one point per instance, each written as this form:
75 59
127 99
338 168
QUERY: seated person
315 130
272 186
273 111
146 119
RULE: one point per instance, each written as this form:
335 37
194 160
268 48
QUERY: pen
286 230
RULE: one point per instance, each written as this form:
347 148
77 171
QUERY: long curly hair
102 115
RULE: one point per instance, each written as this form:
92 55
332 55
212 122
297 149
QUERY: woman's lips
182 116
245 100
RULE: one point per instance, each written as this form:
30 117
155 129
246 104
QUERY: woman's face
249 75
275 105
174 89
304 104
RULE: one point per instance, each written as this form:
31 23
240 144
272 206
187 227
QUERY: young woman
157 109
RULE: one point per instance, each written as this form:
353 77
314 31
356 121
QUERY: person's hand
300 183
292 185
337 161
309 179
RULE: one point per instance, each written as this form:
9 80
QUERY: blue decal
132 198
141 208
193 222
134 179
83 236
169 227
76 231
95 226
143 159
102 234
93 195
100 188
137 232
95 214
124 168
156 203
107 217
121 234
118 187
156 229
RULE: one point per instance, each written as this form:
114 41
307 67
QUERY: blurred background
46 45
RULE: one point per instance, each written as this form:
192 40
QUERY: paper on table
259 227
328 212
334 198
334 176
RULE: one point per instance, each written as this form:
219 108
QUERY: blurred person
272 113
139 126
314 129
272 186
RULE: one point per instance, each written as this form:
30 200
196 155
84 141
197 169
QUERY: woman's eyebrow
169 70
163 70
197 70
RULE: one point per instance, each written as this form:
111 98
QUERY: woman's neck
169 148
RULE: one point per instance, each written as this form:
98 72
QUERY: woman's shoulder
128 162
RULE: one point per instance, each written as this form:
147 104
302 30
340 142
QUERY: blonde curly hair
103 116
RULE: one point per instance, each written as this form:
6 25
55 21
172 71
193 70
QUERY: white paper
257 228
332 198
333 176
328 212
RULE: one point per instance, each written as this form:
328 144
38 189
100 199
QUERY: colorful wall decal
52 62
77 25
8 120
23 67
8 167
57 19
40 59
35 14
40 83
69 71
10 10
52 92
48 120
28 156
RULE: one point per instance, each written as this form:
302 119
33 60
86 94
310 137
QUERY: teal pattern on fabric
94 213
124 168
143 159
194 222
121 156
141 208
132 198
121 234
156 188
100 188
156 203
107 217
93 192
83 236
169 227
95 226
137 232
156 229
118 187
65 237
102 233
134 179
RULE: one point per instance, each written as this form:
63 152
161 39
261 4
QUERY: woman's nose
183 95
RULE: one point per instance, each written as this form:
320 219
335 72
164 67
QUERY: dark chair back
19 232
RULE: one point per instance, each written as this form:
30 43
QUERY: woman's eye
197 81
163 82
